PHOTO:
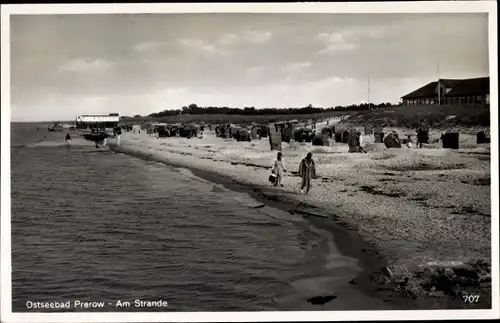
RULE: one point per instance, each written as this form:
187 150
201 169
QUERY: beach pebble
449 272
484 277
437 294
465 272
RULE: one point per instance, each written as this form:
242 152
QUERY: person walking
409 142
67 139
279 169
307 170
118 133
361 143
422 137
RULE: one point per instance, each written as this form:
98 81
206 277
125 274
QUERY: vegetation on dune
383 115
444 116
194 113
252 111
446 281
223 118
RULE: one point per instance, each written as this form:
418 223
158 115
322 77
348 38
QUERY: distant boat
55 127
69 126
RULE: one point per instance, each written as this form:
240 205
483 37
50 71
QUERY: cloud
149 46
223 45
248 36
257 37
296 67
334 48
332 81
347 40
334 42
359 33
255 70
227 39
331 37
82 65
204 47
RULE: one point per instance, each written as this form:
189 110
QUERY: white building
112 117
85 121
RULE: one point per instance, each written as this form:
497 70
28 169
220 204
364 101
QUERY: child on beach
307 170
279 169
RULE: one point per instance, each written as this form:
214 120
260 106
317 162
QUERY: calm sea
93 225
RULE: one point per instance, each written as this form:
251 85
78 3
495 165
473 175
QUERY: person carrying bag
278 171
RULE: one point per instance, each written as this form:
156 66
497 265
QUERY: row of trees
194 109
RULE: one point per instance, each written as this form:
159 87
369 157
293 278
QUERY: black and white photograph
249 162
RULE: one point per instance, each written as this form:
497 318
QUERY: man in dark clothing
307 171
68 139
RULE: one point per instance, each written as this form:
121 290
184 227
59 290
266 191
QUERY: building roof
469 87
429 90
475 86
99 115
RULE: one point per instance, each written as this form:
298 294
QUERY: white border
367 7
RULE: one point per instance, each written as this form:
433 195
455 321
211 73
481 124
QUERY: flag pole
369 103
439 86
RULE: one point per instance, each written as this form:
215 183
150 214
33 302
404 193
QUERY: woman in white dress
279 169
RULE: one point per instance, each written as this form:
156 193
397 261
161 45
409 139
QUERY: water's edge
347 239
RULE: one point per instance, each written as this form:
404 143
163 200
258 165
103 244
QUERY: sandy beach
424 213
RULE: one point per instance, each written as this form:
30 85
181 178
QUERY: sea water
90 225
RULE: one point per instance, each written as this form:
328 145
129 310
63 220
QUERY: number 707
471 298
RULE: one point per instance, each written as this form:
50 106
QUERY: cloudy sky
65 65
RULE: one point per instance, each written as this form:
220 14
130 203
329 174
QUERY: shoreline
348 241
378 215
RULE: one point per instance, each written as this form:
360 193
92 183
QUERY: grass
383 156
374 191
471 278
423 163
484 181
319 150
445 116
226 118
435 116
422 166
